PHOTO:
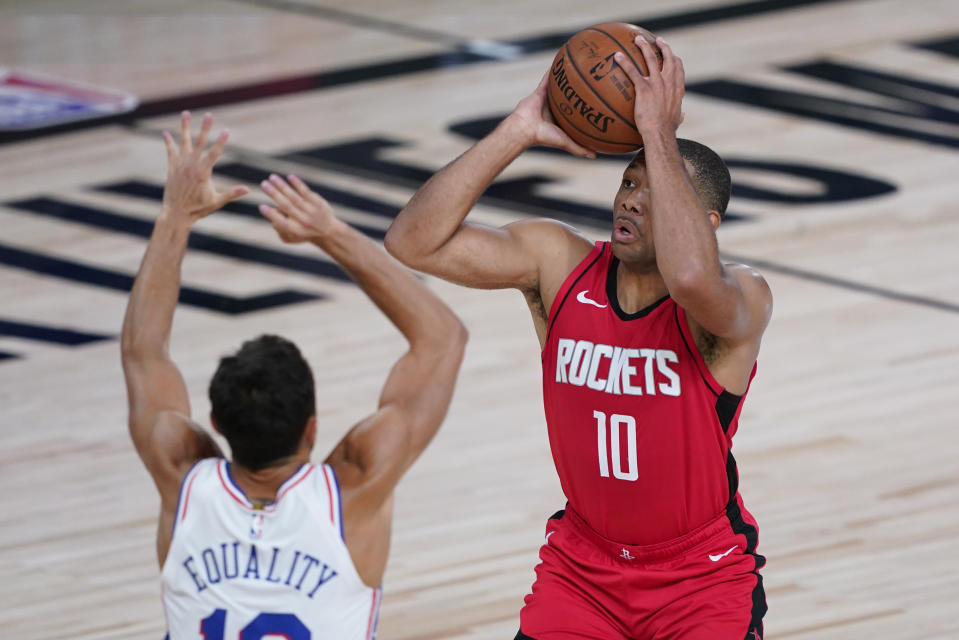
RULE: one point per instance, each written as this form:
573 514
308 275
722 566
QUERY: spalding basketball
589 94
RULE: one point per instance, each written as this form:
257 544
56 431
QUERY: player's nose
636 201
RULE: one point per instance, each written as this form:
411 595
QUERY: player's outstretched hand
189 193
659 95
533 114
300 214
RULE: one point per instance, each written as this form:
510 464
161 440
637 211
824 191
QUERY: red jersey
639 429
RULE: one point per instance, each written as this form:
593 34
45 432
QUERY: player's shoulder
551 240
749 276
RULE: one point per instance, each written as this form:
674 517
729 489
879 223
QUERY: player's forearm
686 250
153 299
435 212
418 313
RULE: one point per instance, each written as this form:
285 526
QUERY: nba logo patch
256 526
31 101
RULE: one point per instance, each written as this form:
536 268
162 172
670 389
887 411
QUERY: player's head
711 181
262 400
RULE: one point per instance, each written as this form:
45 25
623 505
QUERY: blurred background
840 123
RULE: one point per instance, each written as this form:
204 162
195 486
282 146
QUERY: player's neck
261 485
638 287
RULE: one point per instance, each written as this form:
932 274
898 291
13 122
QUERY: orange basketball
590 96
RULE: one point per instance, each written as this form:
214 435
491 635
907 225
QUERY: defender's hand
659 96
300 214
533 117
189 193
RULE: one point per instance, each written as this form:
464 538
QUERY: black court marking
254 174
46 333
842 283
360 20
4 355
73 271
949 46
322 80
198 240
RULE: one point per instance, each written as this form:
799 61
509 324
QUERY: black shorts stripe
755 631
522 636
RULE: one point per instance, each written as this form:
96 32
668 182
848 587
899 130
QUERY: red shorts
704 585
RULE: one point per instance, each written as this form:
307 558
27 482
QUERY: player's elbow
454 335
399 246
690 281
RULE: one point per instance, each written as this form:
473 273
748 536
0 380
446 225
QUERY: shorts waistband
658 552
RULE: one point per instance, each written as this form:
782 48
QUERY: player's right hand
300 214
189 193
533 118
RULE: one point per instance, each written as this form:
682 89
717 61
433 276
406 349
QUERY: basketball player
649 344
268 544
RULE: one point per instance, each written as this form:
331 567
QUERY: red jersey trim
578 272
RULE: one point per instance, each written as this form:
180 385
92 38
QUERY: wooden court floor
840 121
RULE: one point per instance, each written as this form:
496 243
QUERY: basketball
589 95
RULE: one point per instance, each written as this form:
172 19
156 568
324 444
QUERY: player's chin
629 252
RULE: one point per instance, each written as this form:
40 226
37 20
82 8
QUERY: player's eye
628 184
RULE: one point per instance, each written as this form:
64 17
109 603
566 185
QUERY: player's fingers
287 228
288 192
186 144
541 87
236 192
278 196
671 62
276 217
579 150
680 70
205 127
171 150
217 147
306 193
627 65
649 55
301 187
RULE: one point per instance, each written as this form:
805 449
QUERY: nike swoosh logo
548 535
719 557
581 297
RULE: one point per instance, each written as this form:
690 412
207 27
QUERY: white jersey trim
374 614
336 504
183 500
235 492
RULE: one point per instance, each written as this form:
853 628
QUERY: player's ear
309 434
714 218
216 427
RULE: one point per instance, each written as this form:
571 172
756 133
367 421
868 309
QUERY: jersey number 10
613 435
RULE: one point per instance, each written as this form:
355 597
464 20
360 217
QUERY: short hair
262 398
710 174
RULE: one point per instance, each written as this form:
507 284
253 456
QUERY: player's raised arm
730 302
430 233
373 456
164 437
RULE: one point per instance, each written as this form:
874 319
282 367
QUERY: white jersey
237 571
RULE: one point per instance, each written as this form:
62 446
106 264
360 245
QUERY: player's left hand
659 95
189 194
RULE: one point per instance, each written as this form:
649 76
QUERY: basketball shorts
701 586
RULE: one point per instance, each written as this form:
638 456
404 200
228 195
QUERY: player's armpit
735 307
175 443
